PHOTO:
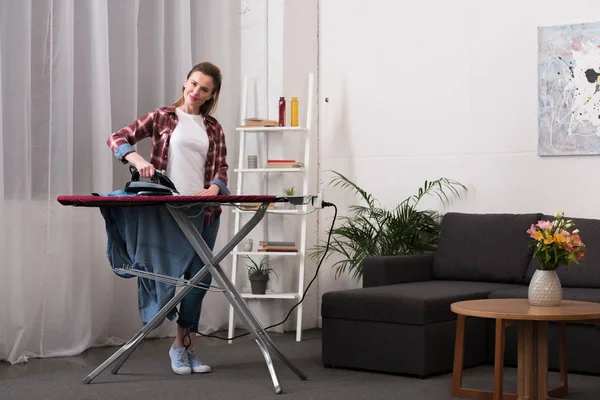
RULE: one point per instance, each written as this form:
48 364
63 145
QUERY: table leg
457 370
532 372
563 388
542 359
499 360
459 346
537 342
529 361
521 365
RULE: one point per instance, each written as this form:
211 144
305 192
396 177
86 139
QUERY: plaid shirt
159 125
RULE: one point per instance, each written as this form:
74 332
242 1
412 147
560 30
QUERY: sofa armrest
389 270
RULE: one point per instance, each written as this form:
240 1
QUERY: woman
189 144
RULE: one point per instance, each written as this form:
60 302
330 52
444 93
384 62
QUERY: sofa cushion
484 247
586 274
569 293
416 303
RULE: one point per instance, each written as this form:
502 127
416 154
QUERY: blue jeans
148 239
191 305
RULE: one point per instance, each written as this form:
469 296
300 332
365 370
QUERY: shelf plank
238 211
270 296
271 129
265 253
255 170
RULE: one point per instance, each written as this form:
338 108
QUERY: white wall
300 58
421 90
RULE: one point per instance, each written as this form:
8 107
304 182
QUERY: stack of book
277 246
284 164
257 122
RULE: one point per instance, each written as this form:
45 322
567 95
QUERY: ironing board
211 261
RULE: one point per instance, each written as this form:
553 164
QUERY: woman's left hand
213 190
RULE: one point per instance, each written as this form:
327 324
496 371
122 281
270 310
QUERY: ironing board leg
121 355
250 319
119 363
125 351
211 264
236 301
267 356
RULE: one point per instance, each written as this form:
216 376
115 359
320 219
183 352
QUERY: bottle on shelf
282 111
294 117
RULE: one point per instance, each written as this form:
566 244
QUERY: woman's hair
208 69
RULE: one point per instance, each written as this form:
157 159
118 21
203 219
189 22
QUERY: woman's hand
145 169
213 190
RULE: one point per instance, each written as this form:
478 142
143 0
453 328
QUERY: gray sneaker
196 365
180 363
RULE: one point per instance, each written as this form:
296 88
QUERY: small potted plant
288 192
259 275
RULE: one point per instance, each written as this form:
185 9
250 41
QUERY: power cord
324 204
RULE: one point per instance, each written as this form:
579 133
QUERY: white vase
545 289
247 247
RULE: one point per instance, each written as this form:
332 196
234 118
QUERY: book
257 122
269 250
279 248
276 243
284 165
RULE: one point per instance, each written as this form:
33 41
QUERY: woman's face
197 89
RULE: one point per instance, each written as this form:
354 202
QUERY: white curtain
72 72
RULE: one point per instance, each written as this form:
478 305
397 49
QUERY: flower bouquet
554 244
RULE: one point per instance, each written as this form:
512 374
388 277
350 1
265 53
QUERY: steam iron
159 184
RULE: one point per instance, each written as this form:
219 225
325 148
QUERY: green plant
554 244
289 191
261 269
372 230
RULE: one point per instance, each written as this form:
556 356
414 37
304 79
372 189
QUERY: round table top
520 309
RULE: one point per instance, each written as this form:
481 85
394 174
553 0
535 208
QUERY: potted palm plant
372 230
259 275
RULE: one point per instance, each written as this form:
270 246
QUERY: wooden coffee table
532 380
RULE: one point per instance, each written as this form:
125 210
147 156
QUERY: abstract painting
569 89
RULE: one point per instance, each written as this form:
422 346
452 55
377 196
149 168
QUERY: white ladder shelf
300 211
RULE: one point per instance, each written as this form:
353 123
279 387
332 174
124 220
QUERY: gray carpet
239 372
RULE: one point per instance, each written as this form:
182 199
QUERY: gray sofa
400 320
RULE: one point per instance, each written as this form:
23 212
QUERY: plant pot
258 284
545 289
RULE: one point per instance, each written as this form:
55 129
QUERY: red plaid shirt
159 125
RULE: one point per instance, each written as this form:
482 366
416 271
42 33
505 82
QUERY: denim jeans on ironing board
191 305
148 239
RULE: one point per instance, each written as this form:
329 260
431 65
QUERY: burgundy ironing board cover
121 201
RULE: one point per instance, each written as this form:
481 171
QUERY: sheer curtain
72 72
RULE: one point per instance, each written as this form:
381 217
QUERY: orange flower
554 244
558 238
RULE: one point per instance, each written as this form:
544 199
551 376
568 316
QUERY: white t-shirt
188 149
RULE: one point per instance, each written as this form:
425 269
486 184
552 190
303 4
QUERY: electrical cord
325 204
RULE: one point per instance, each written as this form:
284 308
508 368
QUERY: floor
239 372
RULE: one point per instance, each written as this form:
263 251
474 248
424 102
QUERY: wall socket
317 201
